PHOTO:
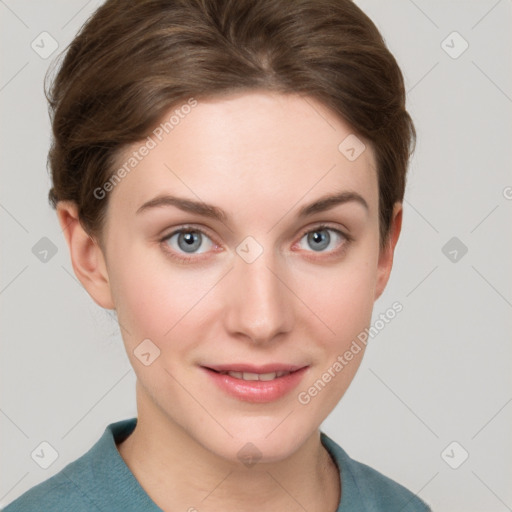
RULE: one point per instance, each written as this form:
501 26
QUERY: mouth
265 372
252 375
256 384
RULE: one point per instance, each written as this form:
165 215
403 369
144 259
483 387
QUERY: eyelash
184 229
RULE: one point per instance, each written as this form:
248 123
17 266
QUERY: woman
202 149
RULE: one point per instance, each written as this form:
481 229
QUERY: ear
386 254
87 257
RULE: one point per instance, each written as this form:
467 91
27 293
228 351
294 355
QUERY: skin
259 156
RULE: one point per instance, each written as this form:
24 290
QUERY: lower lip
257 391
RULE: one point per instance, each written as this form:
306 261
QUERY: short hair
133 60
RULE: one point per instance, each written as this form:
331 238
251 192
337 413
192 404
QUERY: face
244 274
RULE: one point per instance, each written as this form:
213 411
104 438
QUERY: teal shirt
100 481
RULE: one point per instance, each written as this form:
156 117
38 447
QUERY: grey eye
188 241
319 239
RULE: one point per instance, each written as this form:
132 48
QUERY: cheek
156 299
345 305
343 295
160 300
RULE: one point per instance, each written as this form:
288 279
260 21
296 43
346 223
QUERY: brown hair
133 60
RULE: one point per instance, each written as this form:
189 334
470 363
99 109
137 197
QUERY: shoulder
382 492
98 480
365 488
58 493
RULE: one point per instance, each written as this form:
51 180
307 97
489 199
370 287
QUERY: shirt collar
125 493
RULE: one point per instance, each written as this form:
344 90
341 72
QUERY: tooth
250 376
255 376
267 376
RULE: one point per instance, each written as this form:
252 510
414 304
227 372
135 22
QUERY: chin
253 441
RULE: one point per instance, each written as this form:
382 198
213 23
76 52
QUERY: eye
323 239
193 241
187 241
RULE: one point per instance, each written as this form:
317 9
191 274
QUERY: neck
179 473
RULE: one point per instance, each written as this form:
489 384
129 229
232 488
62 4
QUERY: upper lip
250 368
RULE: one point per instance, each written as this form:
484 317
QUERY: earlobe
87 257
386 255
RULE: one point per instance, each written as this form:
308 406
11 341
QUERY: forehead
248 146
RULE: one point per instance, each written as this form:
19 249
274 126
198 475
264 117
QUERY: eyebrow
207 210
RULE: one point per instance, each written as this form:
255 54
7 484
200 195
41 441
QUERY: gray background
439 372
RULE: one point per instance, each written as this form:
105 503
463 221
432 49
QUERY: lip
256 391
265 368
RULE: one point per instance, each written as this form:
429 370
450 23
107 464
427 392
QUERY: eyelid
325 256
188 227
196 257
324 225
181 256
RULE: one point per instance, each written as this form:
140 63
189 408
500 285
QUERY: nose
259 305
